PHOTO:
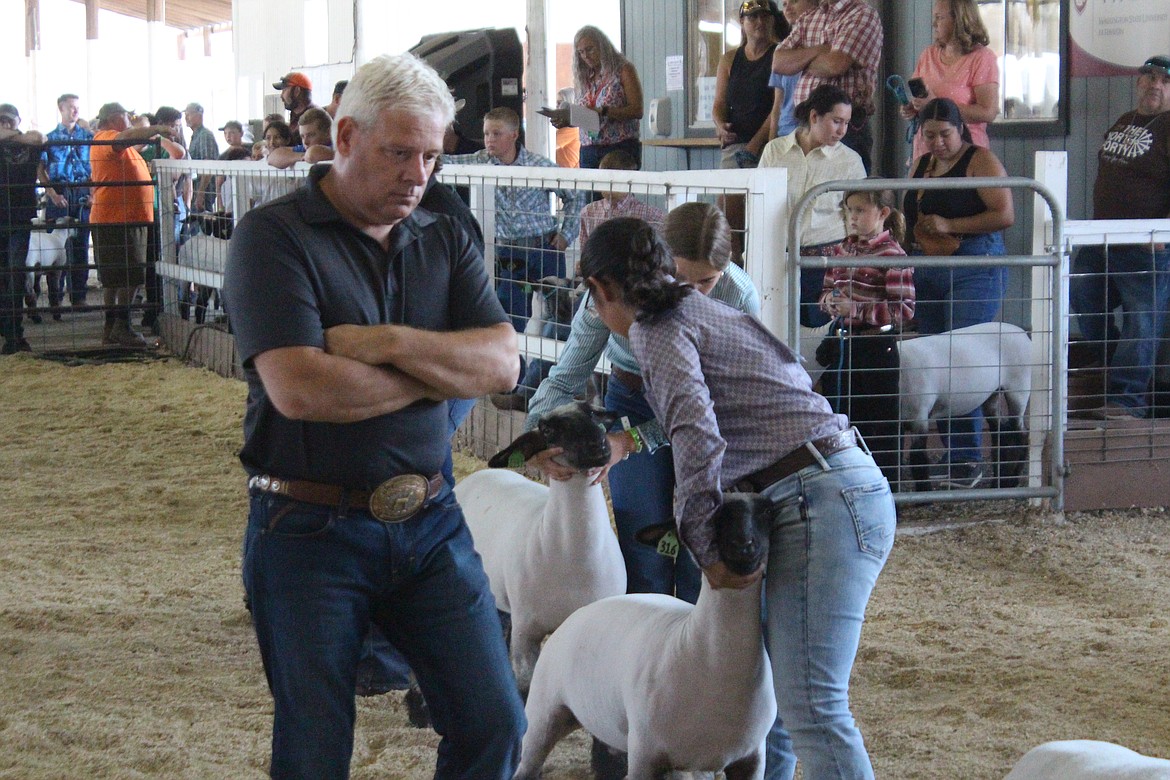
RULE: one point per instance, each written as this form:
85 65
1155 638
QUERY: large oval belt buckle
399 498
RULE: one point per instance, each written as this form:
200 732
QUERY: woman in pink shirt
959 66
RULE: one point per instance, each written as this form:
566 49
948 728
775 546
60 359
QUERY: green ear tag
668 545
516 460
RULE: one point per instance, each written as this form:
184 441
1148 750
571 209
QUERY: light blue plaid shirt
523 212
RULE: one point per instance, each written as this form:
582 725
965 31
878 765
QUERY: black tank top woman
749 98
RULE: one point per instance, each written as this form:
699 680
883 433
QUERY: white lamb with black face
677 687
547 550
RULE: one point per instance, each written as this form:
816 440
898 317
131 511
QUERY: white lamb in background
1085 759
547 550
204 252
47 256
677 687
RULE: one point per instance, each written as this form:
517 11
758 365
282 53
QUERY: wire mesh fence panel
79 249
942 394
194 252
536 220
532 251
1119 347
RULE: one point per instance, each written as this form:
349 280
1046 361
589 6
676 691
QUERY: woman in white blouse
813 154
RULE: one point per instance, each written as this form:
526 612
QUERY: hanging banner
1113 37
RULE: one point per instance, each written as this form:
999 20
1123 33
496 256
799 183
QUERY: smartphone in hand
917 88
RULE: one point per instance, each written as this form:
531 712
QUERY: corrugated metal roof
184 14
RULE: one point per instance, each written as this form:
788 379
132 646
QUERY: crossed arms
370 370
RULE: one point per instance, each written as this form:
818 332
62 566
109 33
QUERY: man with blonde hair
357 318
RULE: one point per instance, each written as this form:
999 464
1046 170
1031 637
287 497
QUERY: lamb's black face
742 526
579 430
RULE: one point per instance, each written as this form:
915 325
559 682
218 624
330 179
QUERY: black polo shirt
295 268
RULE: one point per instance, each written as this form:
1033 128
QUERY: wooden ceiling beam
182 14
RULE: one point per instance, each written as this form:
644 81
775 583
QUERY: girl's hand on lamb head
546 462
719 576
621 446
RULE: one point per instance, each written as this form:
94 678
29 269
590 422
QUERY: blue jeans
642 491
950 298
1138 280
859 138
13 256
317 577
382 667
77 247
833 531
534 370
812 281
519 265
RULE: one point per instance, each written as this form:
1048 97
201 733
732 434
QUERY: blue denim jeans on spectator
1137 279
382 667
812 281
13 257
77 247
642 491
518 267
317 577
950 298
534 370
833 532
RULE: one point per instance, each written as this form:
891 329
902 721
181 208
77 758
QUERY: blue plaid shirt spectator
523 212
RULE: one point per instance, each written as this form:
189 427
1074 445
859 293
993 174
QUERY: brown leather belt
395 500
799 458
628 378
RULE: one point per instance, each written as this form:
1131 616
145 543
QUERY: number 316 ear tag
668 545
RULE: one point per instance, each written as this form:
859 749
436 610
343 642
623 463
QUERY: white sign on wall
674 72
1111 34
705 99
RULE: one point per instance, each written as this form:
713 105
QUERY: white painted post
537 78
1051 170
767 248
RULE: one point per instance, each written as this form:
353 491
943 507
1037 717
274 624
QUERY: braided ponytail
629 252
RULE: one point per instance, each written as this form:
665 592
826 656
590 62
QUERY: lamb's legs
607 763
747 768
919 463
545 730
524 652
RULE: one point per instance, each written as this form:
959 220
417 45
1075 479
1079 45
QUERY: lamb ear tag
516 460
668 545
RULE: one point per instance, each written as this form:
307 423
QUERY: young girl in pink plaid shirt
866 297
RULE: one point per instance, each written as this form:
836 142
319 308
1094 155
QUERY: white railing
248 183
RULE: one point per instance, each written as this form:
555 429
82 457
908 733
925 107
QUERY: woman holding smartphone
960 66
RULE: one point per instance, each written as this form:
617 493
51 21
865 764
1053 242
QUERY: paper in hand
574 115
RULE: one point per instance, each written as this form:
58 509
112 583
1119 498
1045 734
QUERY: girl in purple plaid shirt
740 414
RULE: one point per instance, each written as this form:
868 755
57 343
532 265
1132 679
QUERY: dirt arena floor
126 652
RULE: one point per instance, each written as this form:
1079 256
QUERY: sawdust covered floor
125 649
